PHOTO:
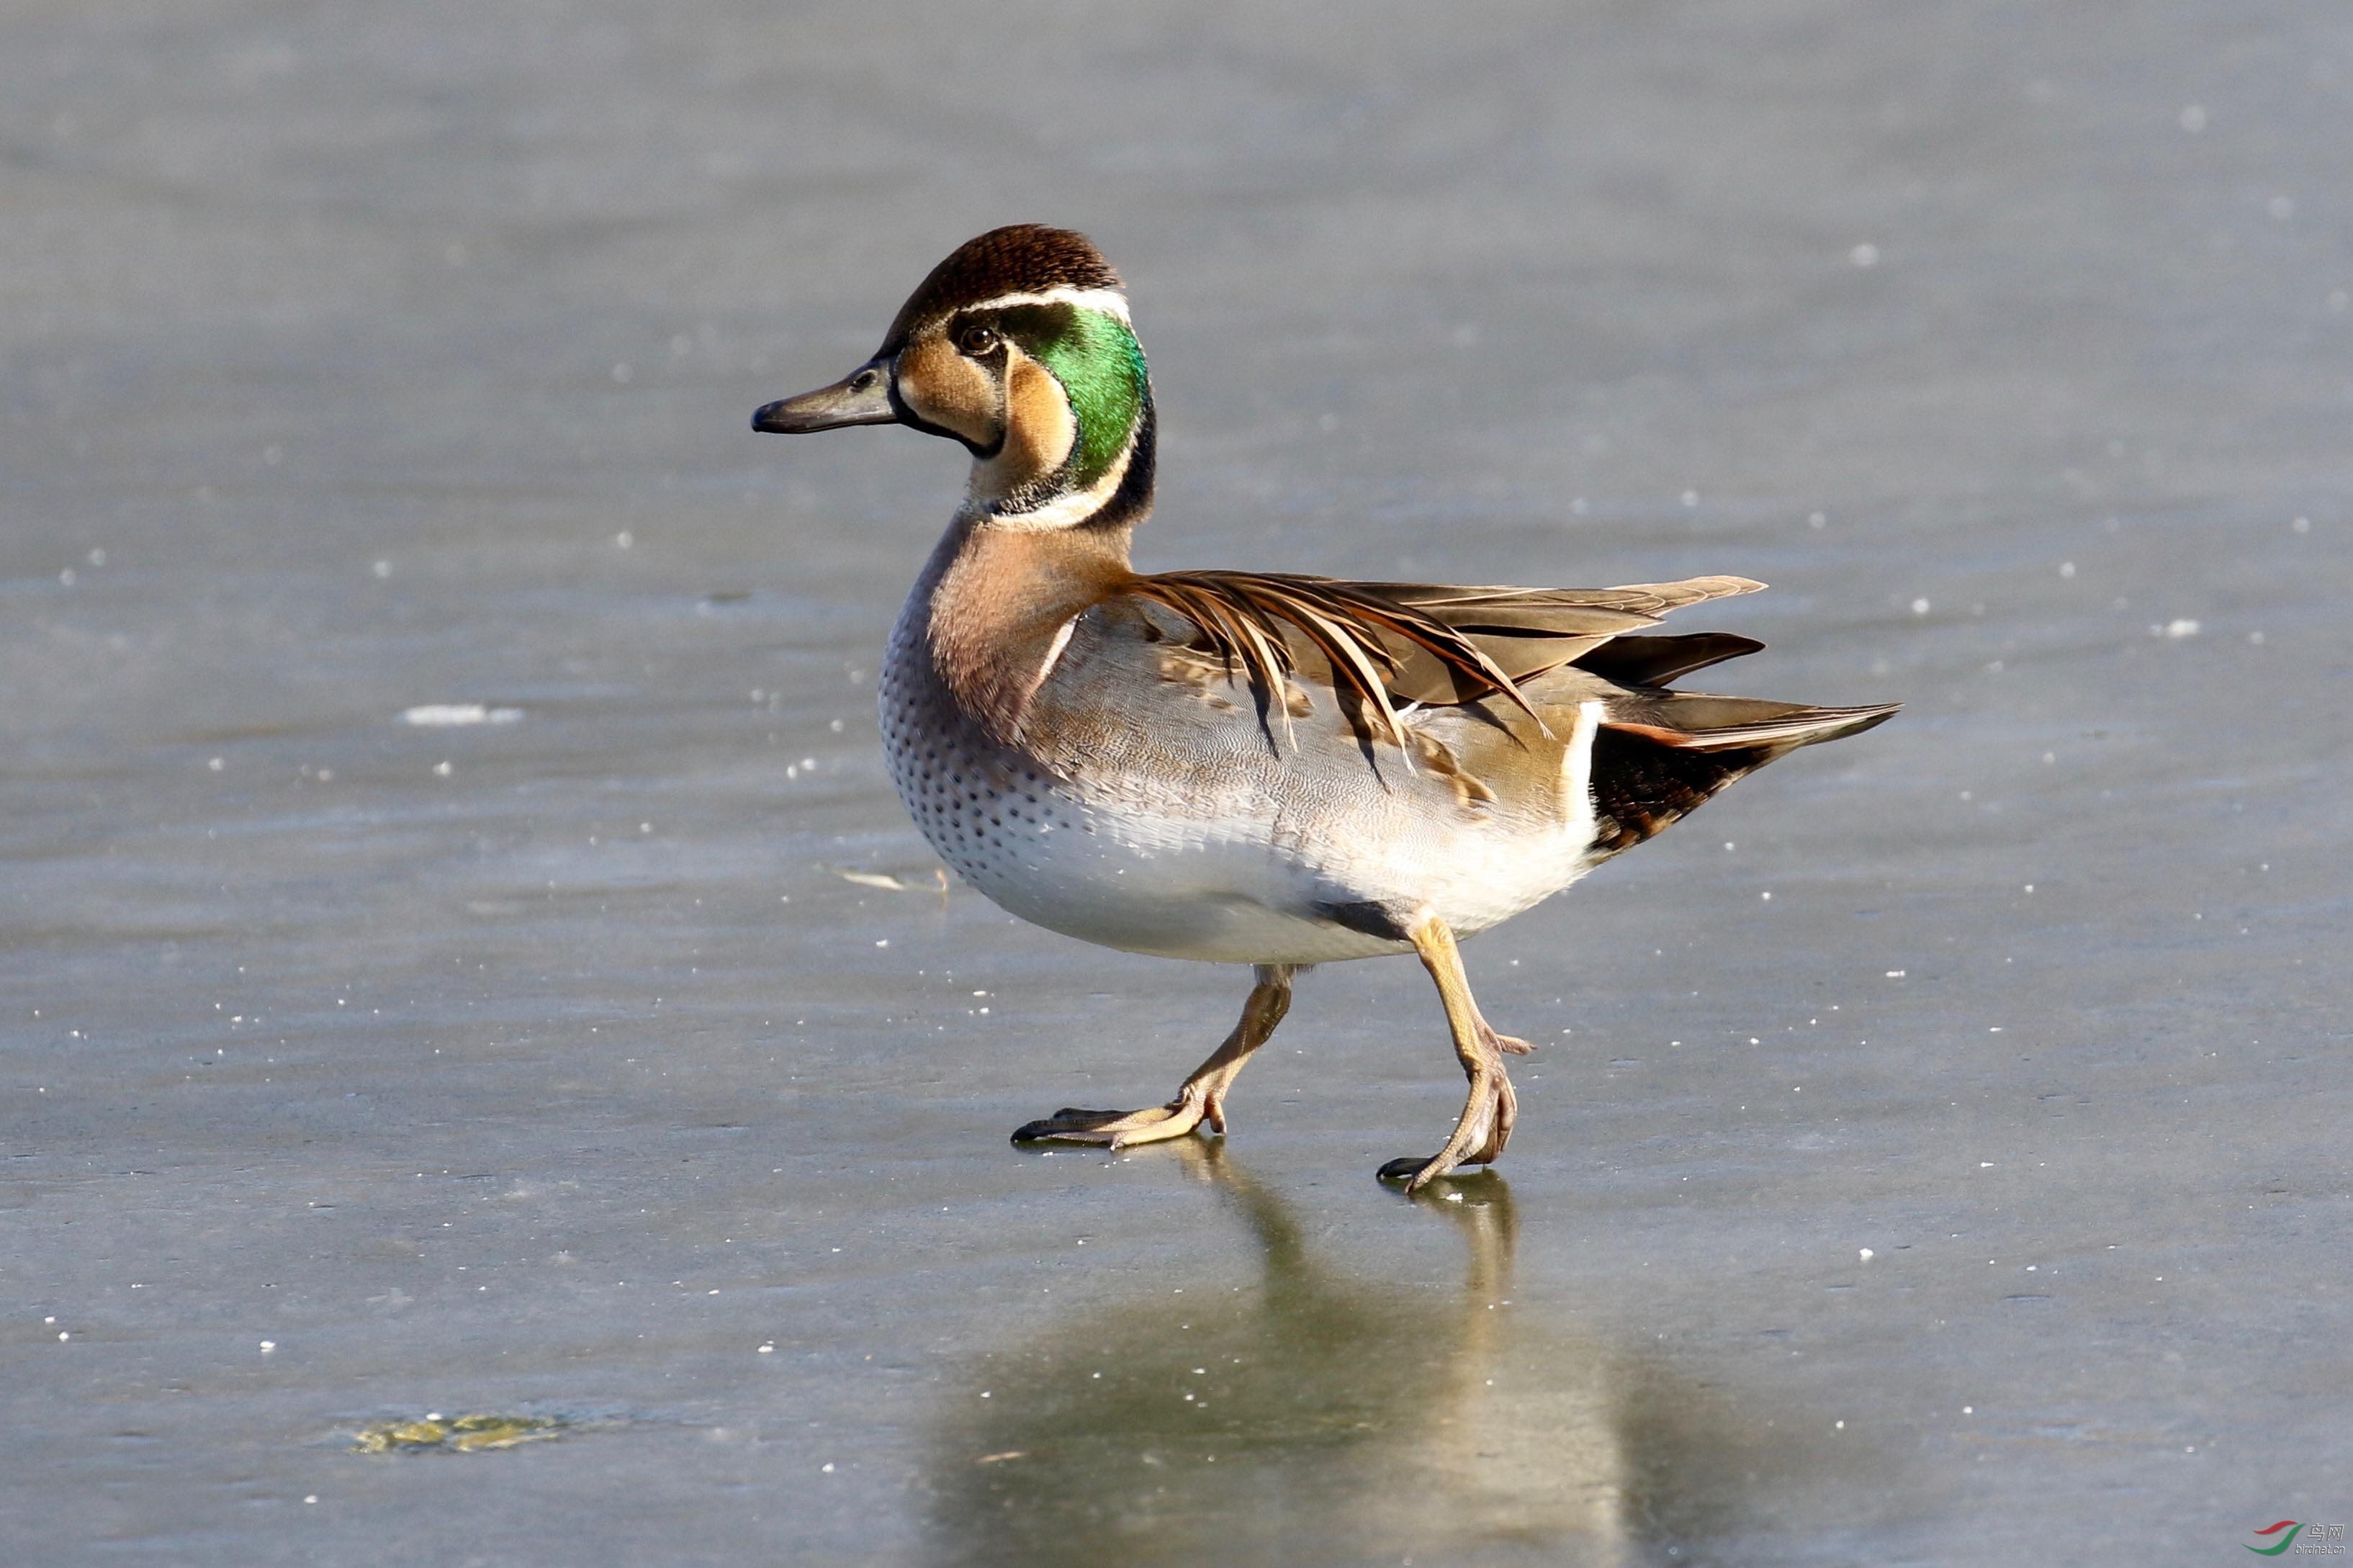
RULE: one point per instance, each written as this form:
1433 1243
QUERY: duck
1254 768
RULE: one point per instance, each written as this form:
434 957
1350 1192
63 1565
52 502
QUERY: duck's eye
976 341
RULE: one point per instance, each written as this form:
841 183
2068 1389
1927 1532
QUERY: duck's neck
1112 492
1043 533
996 605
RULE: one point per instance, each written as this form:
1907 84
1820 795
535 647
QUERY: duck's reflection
1328 1417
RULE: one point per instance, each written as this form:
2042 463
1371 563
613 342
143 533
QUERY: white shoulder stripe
1577 775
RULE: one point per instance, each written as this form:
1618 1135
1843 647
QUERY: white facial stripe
1110 302
1064 511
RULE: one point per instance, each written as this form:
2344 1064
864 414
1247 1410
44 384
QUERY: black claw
1402 1170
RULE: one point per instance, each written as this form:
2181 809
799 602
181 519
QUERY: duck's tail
1657 757
1687 720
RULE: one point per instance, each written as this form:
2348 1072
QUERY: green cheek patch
1101 367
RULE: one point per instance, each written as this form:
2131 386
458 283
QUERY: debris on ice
443 715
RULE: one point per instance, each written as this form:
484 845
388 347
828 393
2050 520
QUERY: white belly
1226 892
1211 866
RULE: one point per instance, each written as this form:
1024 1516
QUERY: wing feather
1387 643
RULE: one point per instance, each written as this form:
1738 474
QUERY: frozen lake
439 735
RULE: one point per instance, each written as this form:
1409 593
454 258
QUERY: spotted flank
1254 768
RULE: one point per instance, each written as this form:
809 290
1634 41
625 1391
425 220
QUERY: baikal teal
1246 767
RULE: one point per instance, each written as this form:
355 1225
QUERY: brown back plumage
1392 643
1268 624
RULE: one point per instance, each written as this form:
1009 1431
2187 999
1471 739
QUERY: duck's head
1019 345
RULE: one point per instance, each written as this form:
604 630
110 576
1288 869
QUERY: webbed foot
1478 1137
1203 1097
1124 1129
1491 1106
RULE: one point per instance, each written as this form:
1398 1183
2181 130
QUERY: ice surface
355 360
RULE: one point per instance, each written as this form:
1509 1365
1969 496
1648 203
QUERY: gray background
355 357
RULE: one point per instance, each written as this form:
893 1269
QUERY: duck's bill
861 397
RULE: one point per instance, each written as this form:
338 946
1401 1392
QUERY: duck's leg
1203 1096
1491 1107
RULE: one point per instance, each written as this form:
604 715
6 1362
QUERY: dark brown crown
1019 259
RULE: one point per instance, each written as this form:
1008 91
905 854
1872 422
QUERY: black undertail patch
1641 787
